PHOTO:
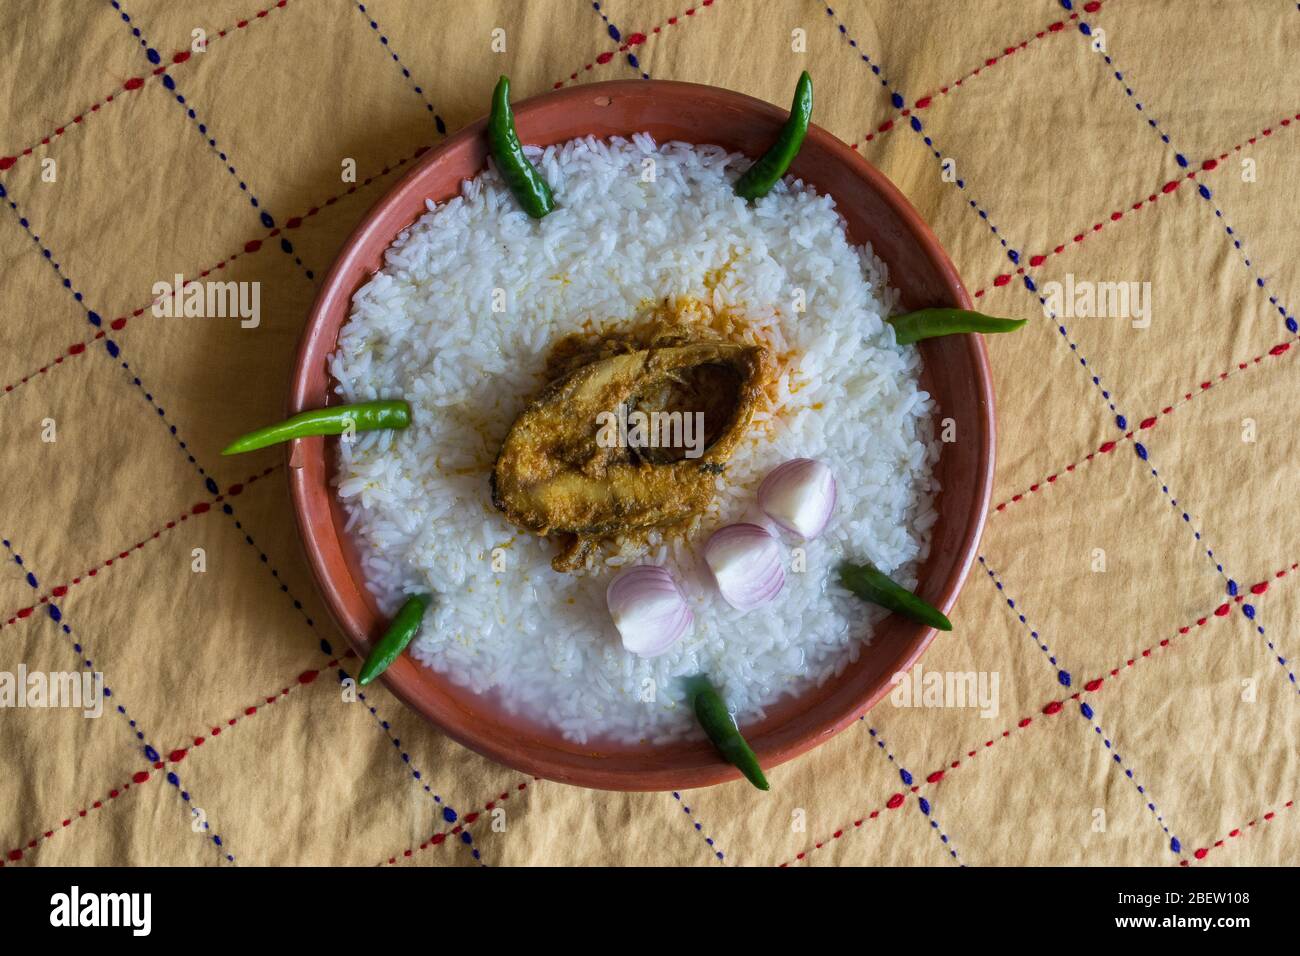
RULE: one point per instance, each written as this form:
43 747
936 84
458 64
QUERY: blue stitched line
150 754
447 812
1062 675
56 615
1231 586
617 36
1287 317
922 803
94 319
1201 190
1030 285
914 122
917 127
699 828
91 316
170 85
1248 609
1086 710
388 48
895 97
1121 421
1205 193
1143 454
1013 254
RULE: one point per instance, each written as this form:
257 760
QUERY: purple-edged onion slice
746 564
648 609
799 496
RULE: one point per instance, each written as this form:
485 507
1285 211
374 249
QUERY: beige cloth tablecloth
1144 541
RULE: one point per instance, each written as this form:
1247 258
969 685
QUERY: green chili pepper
876 588
335 420
931 323
714 717
771 166
404 627
520 175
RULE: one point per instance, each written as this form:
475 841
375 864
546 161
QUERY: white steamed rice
423 328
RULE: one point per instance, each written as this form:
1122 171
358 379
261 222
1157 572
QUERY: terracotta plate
957 375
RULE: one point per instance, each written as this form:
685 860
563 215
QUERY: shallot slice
799 496
648 609
746 564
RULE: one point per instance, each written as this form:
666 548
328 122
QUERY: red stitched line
1095 685
1050 709
1207 166
143 776
1282 348
921 103
1104 448
202 508
306 677
130 86
633 39
856 824
16 854
1204 851
253 245
71 352
249 247
439 838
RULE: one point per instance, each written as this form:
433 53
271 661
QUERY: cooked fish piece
554 476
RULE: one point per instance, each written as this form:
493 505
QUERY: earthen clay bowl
957 374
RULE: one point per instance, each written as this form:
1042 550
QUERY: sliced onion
746 564
799 496
648 609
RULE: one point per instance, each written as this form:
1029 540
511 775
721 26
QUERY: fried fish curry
629 435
